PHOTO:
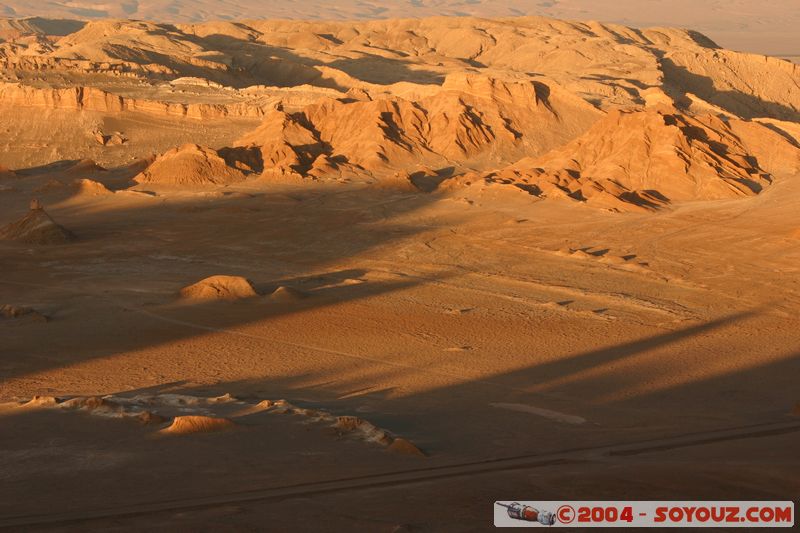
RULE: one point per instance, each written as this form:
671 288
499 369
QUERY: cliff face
93 99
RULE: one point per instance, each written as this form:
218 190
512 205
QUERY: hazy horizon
766 27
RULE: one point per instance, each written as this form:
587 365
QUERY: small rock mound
581 254
148 418
287 294
41 401
183 425
219 288
91 403
114 139
13 311
366 430
36 228
405 447
89 187
190 165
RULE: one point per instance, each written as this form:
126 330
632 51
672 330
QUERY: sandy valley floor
451 324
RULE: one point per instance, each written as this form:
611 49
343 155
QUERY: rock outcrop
94 99
219 288
36 227
598 113
472 120
647 159
190 165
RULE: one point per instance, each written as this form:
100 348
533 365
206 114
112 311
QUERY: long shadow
678 80
453 422
124 275
743 392
116 289
564 367
445 419
460 421
255 62
243 62
669 389
244 463
385 71
56 27
239 62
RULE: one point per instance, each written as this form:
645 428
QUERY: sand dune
287 294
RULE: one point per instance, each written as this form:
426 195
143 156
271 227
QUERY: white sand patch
538 411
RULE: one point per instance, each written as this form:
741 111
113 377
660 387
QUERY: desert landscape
373 275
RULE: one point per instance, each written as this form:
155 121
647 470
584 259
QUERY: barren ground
533 345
